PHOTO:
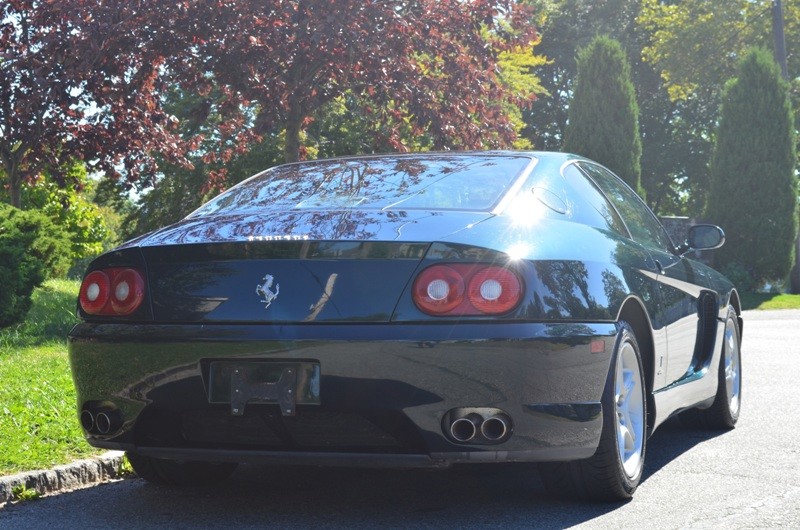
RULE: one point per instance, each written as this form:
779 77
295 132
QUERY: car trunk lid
291 266
280 281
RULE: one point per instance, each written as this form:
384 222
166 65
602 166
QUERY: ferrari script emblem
264 290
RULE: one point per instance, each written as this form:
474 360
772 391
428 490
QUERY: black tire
179 473
613 473
724 411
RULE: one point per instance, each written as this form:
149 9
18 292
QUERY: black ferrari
409 310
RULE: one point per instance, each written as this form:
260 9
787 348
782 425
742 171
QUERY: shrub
32 249
740 276
71 208
753 194
603 114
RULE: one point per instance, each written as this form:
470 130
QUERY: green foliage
181 191
175 195
23 494
565 26
352 125
125 469
518 67
70 208
110 201
681 53
517 71
695 43
753 184
31 249
344 126
676 142
603 114
740 276
216 163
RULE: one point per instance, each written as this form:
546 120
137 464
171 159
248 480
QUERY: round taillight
494 290
438 290
127 291
94 293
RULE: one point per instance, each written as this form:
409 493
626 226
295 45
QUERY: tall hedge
603 114
753 194
32 248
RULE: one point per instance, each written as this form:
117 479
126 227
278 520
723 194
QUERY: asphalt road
745 478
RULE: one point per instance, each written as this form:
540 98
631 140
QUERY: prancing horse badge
264 290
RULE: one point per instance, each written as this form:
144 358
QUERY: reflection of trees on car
438 182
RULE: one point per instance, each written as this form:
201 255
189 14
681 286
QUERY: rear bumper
386 391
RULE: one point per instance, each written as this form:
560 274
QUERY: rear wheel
724 412
177 472
613 473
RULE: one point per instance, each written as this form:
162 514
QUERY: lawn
770 301
38 420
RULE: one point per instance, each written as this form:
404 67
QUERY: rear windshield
464 182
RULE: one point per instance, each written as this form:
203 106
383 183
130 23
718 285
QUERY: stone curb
79 474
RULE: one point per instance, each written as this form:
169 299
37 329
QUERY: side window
642 223
589 205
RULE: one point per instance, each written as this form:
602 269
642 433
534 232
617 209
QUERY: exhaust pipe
464 429
108 420
477 425
87 420
100 418
103 423
495 428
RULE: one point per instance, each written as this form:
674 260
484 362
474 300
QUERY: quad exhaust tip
478 425
100 418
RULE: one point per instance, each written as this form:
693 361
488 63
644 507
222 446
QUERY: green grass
770 301
38 420
49 320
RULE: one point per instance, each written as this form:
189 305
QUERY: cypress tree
753 194
603 114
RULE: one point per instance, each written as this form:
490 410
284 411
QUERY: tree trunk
16 198
794 284
14 182
294 122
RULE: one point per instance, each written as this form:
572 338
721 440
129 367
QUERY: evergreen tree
753 186
603 115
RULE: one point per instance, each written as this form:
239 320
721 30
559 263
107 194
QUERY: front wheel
179 473
613 473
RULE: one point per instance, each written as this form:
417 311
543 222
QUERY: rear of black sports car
372 336
340 361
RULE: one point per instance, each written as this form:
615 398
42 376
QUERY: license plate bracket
288 384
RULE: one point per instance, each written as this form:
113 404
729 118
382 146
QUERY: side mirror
703 237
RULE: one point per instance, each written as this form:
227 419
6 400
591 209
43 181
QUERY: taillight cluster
114 292
467 289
